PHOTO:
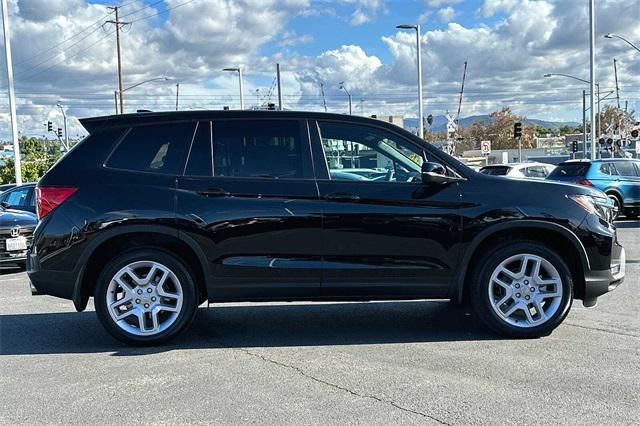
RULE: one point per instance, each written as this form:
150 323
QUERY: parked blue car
617 177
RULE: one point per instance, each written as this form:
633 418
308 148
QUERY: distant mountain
440 122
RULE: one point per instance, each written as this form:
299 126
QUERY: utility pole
12 95
279 87
592 74
177 94
615 73
362 107
118 25
324 101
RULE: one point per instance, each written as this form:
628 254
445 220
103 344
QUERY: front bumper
599 282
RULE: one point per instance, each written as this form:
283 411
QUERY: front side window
625 168
361 153
257 148
157 148
17 197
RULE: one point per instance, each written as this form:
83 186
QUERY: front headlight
603 207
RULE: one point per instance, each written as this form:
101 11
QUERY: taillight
585 182
50 197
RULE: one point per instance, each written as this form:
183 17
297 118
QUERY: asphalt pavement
312 363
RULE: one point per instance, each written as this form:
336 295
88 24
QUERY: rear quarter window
157 148
495 171
570 169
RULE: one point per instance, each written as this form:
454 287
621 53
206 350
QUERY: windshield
570 170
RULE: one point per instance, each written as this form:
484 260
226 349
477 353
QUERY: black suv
155 213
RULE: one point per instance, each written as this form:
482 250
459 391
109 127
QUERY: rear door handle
341 196
214 192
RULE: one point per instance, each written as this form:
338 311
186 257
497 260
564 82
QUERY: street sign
485 147
452 127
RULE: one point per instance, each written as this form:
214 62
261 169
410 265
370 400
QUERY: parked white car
519 170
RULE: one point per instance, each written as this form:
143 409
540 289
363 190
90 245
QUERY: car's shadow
226 326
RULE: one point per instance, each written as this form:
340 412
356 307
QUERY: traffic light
574 146
517 130
601 141
49 126
634 133
430 119
59 132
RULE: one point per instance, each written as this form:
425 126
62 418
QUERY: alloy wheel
525 290
144 298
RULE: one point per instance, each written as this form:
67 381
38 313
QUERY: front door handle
214 192
341 196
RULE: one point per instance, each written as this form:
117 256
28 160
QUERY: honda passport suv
155 213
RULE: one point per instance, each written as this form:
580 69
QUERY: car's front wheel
522 289
145 297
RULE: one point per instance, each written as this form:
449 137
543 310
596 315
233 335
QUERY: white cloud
446 14
439 3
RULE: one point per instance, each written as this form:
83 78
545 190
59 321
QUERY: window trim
193 139
116 145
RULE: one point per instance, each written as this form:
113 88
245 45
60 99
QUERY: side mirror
436 174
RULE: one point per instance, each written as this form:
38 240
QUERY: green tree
37 156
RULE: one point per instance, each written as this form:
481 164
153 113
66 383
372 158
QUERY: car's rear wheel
145 297
522 289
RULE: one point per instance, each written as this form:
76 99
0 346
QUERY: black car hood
10 218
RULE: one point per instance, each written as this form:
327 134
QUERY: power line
99 21
163 11
72 56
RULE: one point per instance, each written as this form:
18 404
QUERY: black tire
618 204
189 294
479 291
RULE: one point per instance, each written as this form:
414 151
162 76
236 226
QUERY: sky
63 51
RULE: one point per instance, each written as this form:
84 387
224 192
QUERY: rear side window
536 172
608 169
496 171
157 148
625 168
570 169
257 148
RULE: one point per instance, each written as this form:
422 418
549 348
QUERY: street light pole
348 94
66 134
592 73
116 92
12 95
609 35
419 63
239 71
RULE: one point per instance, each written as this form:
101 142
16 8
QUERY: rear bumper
53 283
598 283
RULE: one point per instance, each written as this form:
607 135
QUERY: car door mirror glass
436 173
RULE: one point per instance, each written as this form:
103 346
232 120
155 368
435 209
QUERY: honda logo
15 231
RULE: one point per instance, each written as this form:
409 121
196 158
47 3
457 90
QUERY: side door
385 233
628 180
253 207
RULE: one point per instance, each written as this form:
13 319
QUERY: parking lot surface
308 363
